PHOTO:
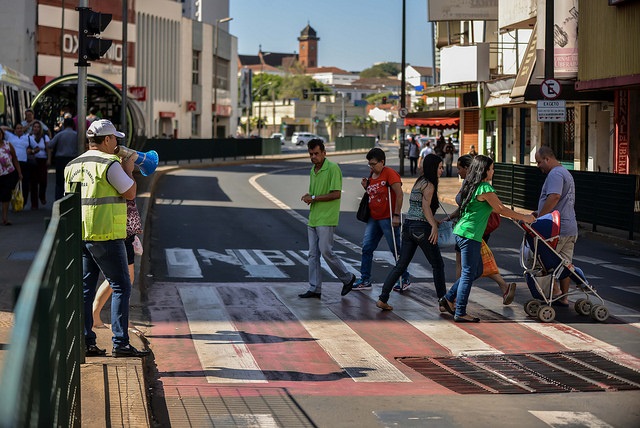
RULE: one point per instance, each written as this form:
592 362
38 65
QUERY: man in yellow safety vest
104 186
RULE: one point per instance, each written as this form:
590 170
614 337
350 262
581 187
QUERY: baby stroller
544 266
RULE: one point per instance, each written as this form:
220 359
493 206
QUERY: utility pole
403 83
548 59
123 107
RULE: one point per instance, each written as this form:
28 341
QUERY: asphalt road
234 344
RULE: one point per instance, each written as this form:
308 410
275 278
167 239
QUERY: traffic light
90 46
384 100
305 93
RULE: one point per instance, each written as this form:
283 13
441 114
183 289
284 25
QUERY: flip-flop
559 304
507 298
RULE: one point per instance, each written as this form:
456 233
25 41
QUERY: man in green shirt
323 198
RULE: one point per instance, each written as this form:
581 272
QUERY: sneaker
361 284
384 306
402 286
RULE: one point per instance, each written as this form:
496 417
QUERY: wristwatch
313 197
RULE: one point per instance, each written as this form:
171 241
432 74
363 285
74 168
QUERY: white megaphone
147 162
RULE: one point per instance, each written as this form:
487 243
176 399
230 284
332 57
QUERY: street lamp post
215 73
262 55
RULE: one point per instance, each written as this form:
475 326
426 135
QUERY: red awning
433 122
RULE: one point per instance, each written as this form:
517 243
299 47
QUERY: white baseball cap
102 127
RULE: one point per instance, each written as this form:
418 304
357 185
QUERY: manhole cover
526 373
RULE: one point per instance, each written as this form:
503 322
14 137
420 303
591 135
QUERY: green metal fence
220 148
352 142
40 381
602 199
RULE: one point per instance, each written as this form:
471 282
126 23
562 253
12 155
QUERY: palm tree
330 122
369 123
358 122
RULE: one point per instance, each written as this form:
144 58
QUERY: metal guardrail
220 148
602 199
40 382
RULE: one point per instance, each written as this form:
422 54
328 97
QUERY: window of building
195 68
222 81
195 124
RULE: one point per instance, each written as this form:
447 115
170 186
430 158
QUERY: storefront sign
552 111
138 93
622 132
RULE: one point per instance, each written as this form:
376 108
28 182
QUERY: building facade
169 60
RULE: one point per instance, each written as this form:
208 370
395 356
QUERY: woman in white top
38 146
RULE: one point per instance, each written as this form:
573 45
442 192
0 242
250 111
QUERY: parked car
302 138
279 136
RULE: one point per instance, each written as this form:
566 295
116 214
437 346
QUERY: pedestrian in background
10 174
559 193
414 153
38 148
384 219
420 229
323 199
104 185
449 150
63 148
478 201
20 142
30 119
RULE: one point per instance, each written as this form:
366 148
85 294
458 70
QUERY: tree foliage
384 69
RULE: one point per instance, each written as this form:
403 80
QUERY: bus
17 91
60 96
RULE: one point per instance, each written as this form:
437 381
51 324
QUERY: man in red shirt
382 183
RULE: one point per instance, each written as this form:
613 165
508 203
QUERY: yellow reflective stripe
96 159
103 201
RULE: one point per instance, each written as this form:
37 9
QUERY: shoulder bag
363 212
446 237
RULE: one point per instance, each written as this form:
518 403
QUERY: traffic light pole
81 101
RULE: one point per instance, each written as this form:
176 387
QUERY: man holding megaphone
104 183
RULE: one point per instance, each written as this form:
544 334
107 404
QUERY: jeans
110 258
471 262
449 169
61 162
321 244
372 236
416 234
413 165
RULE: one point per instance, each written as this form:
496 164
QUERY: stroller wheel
532 307
546 314
599 313
583 307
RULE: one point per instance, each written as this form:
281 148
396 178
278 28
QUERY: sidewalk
120 383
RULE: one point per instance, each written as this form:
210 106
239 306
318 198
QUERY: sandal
507 297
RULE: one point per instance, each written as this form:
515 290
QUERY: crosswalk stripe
427 320
357 358
224 352
569 419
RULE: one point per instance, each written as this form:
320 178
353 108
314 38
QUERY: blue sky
354 34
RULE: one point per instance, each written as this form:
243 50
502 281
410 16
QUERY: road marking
182 263
563 334
569 419
224 350
356 357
